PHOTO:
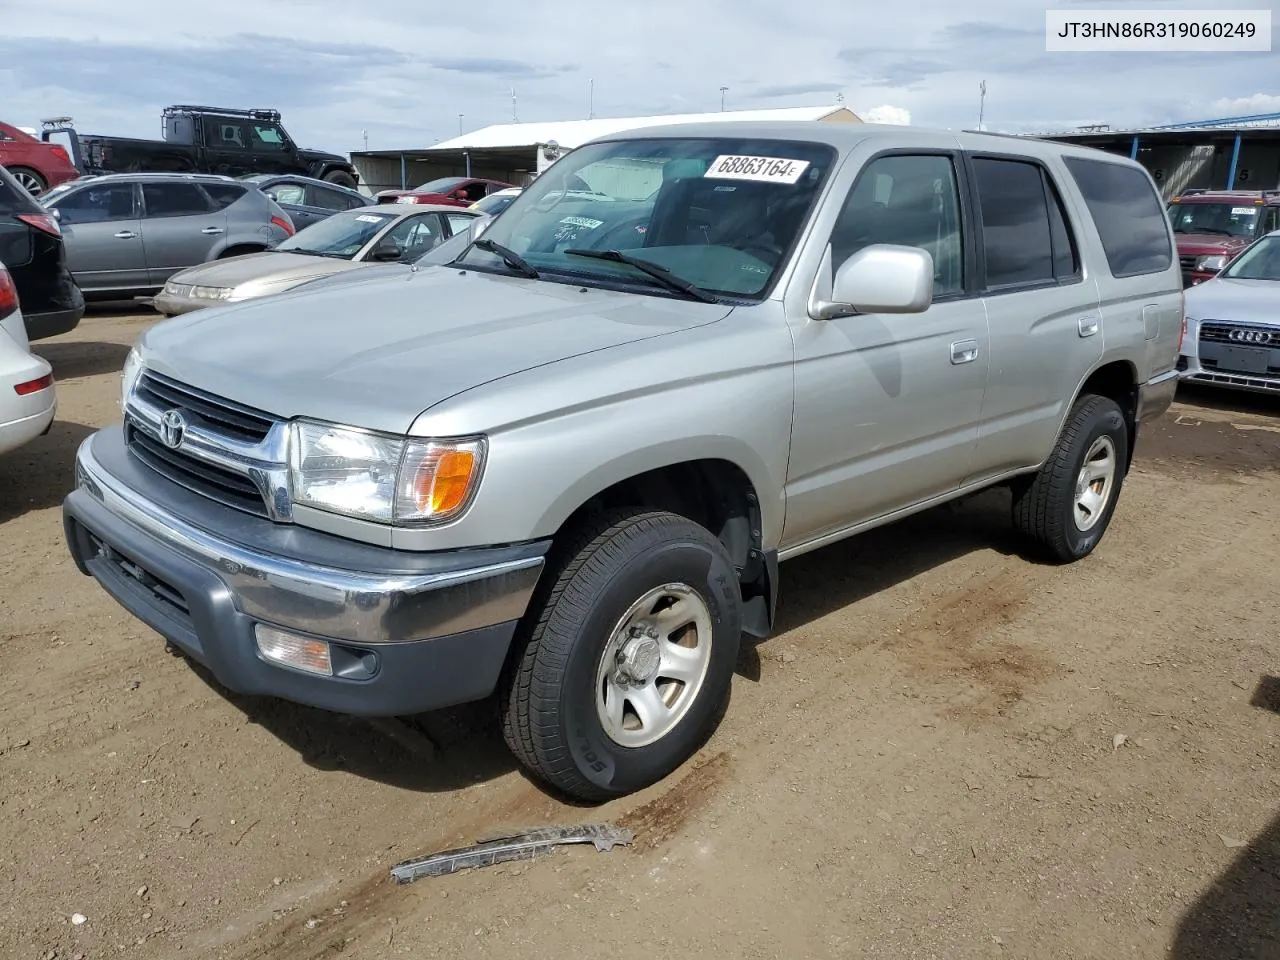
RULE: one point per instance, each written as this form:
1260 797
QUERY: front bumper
408 632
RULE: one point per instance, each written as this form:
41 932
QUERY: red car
451 191
1212 226
34 164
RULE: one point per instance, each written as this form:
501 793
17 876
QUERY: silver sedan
343 242
1232 334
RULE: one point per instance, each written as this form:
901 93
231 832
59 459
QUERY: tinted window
1128 215
266 136
1025 233
93 204
329 199
173 199
908 200
223 194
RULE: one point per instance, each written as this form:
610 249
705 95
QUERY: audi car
1231 335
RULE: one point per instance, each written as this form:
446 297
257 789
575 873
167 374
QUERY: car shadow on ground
467 739
38 475
1230 401
73 359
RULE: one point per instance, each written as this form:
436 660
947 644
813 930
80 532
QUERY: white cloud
886 114
1248 106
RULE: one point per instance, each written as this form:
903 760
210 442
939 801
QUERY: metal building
1230 153
516 152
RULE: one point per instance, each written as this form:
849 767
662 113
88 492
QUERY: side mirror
881 278
388 251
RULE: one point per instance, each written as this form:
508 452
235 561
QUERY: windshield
719 213
1228 219
1259 262
340 235
443 185
495 203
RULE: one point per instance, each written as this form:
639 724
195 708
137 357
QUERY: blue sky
404 73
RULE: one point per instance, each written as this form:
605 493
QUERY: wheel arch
1117 380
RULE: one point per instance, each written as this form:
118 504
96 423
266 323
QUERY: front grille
1215 331
199 476
240 422
1187 263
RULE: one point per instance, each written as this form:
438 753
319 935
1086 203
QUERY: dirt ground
947 751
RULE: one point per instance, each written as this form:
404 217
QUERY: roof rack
257 113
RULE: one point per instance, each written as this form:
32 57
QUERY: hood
310 154
1209 244
377 354
1239 301
269 266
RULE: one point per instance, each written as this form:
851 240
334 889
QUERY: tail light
34 386
283 224
8 294
41 221
61 153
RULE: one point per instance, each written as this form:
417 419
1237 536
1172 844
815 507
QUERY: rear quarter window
223 195
1130 219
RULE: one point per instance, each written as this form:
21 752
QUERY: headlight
1211 264
383 478
211 293
129 375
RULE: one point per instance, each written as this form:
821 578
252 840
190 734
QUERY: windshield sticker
1243 211
763 169
365 218
587 222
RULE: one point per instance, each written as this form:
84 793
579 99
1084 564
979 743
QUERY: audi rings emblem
1251 336
172 429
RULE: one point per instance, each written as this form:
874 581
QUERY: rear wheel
340 178
1066 507
622 674
31 181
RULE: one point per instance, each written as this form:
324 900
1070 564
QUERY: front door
102 233
887 406
180 228
271 150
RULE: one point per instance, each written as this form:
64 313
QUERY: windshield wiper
659 273
317 253
509 257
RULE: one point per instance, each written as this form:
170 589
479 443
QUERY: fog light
291 650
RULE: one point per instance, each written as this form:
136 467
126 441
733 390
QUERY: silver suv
127 233
565 466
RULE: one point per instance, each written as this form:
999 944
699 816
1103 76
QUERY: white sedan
27 398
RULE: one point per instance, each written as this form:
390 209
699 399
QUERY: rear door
181 227
102 233
226 144
323 202
1046 327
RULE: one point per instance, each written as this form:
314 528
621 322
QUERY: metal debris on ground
502 849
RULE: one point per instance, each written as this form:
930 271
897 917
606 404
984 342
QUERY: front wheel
622 675
1066 507
340 178
32 182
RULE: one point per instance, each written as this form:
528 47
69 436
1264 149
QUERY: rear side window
1130 220
330 199
223 195
174 200
1025 234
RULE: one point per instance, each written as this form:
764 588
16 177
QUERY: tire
32 181
553 697
1050 507
340 178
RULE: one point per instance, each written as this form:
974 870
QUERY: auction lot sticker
762 169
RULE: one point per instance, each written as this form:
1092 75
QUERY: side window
294 193
1128 214
909 200
224 195
225 134
1271 220
459 223
415 235
328 199
1025 234
266 137
173 200
113 201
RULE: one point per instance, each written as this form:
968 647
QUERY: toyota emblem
1251 336
172 429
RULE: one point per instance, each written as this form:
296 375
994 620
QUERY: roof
574 133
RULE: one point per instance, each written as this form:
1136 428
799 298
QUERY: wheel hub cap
640 657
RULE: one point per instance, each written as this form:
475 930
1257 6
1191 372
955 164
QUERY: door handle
964 351
212 230
125 235
1088 326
